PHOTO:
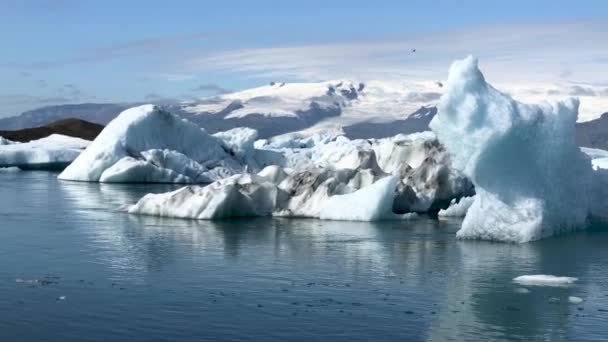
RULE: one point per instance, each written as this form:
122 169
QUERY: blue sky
70 51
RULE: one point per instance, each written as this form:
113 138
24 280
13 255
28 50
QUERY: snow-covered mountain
370 109
284 107
274 109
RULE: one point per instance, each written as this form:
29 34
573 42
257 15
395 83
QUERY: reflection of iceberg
530 177
482 300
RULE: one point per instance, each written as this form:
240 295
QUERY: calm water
74 267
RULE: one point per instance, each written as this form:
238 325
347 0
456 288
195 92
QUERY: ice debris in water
575 300
522 290
457 208
531 179
544 280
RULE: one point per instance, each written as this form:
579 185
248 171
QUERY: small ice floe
575 300
26 281
522 290
544 280
61 298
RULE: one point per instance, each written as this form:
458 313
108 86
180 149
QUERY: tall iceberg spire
530 177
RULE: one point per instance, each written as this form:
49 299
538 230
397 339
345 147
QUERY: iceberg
544 280
427 181
531 179
236 196
371 203
148 144
599 158
323 178
317 193
4 141
54 152
457 208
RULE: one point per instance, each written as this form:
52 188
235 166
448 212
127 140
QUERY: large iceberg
325 177
54 152
531 180
148 144
426 179
325 194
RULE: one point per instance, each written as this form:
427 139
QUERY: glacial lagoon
75 266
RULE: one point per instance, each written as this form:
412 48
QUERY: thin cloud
507 52
212 88
117 51
577 90
423 96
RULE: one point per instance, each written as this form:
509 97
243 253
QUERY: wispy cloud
9 100
545 51
212 88
116 51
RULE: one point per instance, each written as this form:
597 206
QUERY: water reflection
411 278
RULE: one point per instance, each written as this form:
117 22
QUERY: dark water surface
74 267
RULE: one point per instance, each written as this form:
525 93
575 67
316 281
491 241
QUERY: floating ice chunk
599 158
530 177
4 141
236 196
319 193
371 203
53 152
575 300
148 144
457 209
544 280
11 169
522 290
273 173
240 141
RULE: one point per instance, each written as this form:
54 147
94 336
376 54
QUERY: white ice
53 152
457 208
4 141
544 280
147 144
599 157
370 203
316 193
575 300
531 180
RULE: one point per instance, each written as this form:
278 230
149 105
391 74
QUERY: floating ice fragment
544 280
522 290
575 300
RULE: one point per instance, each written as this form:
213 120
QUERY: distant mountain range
593 133
272 109
362 110
71 127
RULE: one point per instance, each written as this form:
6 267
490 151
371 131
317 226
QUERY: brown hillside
71 127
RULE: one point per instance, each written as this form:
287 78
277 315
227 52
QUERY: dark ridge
99 113
70 127
593 133
416 122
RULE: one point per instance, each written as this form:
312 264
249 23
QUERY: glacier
531 179
54 152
